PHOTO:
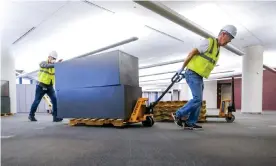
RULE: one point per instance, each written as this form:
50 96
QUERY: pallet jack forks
141 112
227 113
138 115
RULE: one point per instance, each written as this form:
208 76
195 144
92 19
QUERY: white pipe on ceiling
132 39
177 18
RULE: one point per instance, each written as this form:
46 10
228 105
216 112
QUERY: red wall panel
269 91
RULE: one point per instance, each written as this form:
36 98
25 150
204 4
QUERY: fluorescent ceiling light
24 35
94 5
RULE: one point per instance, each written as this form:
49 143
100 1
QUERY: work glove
179 71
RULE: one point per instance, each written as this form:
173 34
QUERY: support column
8 73
252 80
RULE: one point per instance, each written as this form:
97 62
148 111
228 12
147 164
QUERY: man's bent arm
190 56
46 65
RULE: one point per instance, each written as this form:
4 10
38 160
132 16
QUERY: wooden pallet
97 122
164 120
7 114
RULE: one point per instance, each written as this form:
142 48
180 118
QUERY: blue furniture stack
104 85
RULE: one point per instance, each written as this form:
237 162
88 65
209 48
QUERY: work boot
55 119
195 126
32 118
177 120
188 126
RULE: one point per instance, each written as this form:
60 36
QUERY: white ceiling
73 28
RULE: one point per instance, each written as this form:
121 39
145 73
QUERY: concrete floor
250 140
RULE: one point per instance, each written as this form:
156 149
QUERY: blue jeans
39 93
193 106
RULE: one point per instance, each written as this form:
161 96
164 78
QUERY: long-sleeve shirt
46 65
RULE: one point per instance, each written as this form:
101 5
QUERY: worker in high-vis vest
199 64
46 80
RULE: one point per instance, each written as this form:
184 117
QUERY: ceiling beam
108 47
167 72
162 64
177 18
132 39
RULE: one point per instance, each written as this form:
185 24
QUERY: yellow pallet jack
141 112
227 107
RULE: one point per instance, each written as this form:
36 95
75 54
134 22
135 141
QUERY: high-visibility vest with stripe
204 63
46 75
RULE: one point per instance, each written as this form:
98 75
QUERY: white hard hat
53 54
231 29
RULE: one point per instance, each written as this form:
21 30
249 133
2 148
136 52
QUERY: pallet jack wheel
148 122
230 119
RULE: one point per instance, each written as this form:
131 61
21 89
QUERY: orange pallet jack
227 107
141 112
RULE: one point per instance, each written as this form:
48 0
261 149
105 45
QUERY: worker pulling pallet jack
199 63
149 110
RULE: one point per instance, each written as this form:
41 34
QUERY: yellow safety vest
45 75
204 63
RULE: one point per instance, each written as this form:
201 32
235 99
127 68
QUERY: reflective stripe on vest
208 58
203 64
45 71
46 76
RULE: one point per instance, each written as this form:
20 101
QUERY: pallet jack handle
176 78
233 108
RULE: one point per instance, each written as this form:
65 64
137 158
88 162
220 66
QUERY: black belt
45 85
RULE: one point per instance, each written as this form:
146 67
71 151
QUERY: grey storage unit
25 94
5 97
5 105
5 89
98 102
105 69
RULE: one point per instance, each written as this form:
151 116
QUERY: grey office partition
25 97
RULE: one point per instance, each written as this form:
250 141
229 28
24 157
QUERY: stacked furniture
104 85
